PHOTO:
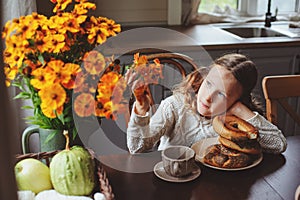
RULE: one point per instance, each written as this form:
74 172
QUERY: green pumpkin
72 171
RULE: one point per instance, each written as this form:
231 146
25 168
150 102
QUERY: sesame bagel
234 128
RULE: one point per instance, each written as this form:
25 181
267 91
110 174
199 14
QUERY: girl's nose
209 96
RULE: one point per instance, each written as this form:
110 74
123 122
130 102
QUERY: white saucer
160 173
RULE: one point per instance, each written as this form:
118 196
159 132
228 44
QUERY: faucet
269 18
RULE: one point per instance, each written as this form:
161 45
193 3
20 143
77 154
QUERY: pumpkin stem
67 139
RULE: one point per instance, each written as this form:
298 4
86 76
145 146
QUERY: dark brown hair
243 69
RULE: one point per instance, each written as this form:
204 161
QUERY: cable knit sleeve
270 138
144 132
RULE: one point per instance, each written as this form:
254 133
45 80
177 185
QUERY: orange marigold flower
104 92
42 77
79 82
105 110
117 94
101 35
16 48
156 61
111 78
72 25
51 113
83 8
32 65
96 32
94 62
106 86
84 105
61 75
10 73
60 5
81 18
55 42
71 70
41 41
53 96
139 60
57 23
113 28
153 74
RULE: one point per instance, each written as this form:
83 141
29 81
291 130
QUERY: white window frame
243 7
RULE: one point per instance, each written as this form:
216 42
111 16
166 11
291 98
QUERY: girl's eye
221 94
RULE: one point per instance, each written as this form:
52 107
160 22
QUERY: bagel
220 156
234 128
244 146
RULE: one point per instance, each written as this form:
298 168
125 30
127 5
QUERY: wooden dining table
275 177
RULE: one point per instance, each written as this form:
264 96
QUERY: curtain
16 8
190 14
189 10
11 9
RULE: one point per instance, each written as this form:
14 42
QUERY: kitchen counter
210 37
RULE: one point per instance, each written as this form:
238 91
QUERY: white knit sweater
174 123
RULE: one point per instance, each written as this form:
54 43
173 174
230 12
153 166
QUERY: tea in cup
178 161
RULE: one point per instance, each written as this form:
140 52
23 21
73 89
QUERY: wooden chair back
277 90
179 62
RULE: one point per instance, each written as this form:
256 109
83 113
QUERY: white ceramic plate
200 150
160 173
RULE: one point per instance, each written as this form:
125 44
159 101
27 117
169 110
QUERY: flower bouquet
53 63
43 57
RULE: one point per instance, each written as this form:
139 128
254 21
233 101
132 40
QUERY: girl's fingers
128 75
136 84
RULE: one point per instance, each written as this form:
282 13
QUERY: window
209 5
285 6
252 7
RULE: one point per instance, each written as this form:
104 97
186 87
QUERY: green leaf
29 118
41 59
16 84
127 67
74 133
22 95
50 136
27 107
61 118
68 119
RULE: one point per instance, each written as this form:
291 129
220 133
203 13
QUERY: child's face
218 92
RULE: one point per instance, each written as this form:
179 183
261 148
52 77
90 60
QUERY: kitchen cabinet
276 61
272 61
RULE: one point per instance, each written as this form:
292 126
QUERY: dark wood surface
276 177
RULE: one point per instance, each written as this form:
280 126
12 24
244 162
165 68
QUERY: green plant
43 57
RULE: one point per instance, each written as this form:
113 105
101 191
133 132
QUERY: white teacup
178 161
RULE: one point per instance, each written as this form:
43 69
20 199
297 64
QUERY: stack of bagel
238 145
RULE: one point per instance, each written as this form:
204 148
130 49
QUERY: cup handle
25 137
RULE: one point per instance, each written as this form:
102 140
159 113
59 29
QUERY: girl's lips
204 105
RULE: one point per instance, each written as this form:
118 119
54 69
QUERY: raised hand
140 90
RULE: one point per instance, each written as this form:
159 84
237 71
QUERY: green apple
32 174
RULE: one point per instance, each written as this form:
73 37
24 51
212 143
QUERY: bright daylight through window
209 5
284 7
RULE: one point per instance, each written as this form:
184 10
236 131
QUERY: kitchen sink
251 32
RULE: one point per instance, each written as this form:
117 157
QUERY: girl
186 116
